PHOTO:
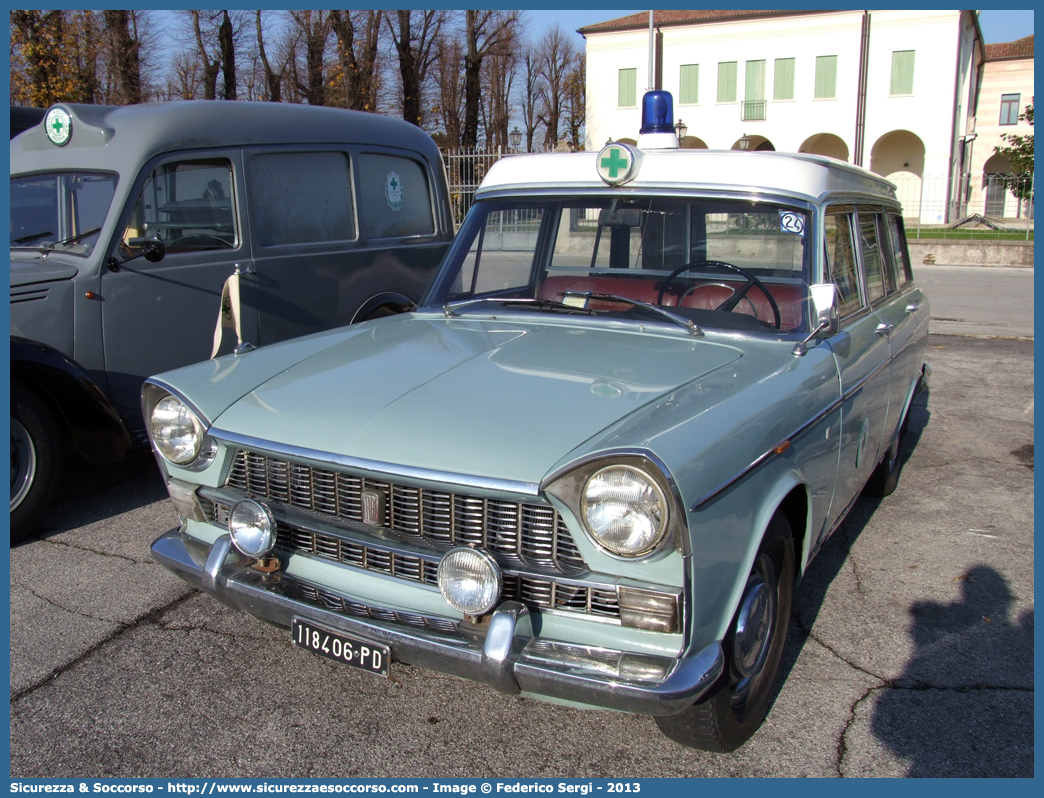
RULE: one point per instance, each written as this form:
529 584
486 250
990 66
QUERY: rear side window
873 263
188 205
899 251
841 265
394 200
301 198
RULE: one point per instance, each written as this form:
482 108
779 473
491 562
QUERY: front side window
301 198
1009 114
188 205
826 77
842 270
394 200
543 255
61 212
627 88
902 72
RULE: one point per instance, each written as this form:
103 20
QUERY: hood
488 398
40 270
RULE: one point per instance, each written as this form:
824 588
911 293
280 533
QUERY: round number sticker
791 222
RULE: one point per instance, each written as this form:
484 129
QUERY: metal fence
972 206
464 171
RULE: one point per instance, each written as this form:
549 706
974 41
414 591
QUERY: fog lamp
253 528
470 580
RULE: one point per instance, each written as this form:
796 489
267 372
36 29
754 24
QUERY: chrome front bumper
508 657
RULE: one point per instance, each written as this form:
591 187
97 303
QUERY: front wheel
36 459
727 718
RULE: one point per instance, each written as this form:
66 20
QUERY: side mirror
824 302
153 250
827 319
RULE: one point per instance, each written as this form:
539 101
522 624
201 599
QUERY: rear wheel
36 458
727 718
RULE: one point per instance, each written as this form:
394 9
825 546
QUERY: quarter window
841 265
1009 113
301 197
627 89
902 72
826 77
899 250
394 200
188 205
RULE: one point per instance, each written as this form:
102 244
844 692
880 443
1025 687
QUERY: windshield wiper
27 239
49 247
691 326
450 308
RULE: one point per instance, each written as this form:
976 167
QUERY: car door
905 313
860 349
160 316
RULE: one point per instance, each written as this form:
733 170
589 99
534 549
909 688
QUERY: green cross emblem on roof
615 163
58 126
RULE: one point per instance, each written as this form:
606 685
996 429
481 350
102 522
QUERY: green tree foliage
1019 153
54 57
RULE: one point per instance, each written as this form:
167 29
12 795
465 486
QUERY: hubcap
753 629
23 463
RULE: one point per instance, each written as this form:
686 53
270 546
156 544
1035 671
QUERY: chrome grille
533 534
535 591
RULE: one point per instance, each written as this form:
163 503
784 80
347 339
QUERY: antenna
652 54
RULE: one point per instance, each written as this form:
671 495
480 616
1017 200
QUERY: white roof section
800 176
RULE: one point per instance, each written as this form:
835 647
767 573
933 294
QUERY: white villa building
892 91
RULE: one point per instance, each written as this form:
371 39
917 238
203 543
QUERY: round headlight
176 431
469 580
624 510
252 527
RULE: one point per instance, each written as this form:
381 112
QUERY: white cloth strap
228 315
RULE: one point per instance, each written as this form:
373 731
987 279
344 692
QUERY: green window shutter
689 90
754 89
902 72
628 96
783 79
826 77
727 73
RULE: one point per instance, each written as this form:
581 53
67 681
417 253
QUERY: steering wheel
737 295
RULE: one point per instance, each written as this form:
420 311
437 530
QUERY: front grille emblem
373 507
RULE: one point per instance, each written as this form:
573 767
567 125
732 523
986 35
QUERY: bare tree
531 83
314 28
575 105
486 33
273 75
449 107
555 55
226 43
415 45
358 36
209 60
498 77
184 80
124 58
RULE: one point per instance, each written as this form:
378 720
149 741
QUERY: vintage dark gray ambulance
128 223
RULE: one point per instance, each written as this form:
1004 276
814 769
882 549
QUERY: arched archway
757 143
899 156
825 144
995 180
693 143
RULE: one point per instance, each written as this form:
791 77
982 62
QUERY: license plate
364 654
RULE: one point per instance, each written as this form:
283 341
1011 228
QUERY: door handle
249 269
913 307
883 329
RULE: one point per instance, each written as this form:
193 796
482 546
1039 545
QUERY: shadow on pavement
963 705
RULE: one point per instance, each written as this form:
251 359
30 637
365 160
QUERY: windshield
718 263
60 211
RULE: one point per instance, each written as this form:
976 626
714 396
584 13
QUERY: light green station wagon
645 387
